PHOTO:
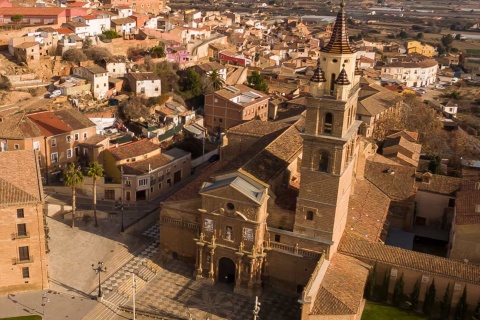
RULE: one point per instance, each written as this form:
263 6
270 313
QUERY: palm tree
72 176
216 80
95 171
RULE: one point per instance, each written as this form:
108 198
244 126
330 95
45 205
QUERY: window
328 123
69 138
85 135
169 182
151 189
168 170
20 213
54 157
309 215
85 151
323 161
16 146
128 183
230 206
451 202
77 151
69 153
160 176
54 142
142 182
22 229
23 253
25 273
77 136
36 145
159 186
277 238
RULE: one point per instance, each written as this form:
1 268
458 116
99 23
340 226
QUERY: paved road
35 102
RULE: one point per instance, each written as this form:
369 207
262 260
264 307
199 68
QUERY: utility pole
134 286
256 308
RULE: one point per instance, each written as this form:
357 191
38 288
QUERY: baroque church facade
272 212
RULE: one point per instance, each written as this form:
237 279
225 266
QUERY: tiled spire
342 78
339 40
318 75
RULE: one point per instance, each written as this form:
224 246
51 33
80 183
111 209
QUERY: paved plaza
174 294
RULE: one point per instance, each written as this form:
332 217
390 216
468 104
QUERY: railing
22 235
181 224
295 250
20 261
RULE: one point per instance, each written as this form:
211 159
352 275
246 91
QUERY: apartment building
144 170
233 105
55 135
23 261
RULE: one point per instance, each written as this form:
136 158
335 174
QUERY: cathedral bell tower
329 141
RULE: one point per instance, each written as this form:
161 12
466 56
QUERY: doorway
141 195
226 271
177 176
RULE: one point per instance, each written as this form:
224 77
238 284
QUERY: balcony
22 235
22 260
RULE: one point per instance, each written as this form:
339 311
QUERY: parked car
421 91
55 93
454 80
439 87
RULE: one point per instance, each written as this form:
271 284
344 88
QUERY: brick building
23 261
233 105
56 135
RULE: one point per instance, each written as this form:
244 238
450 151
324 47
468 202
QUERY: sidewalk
58 306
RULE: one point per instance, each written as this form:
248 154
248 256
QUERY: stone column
250 278
259 270
199 270
211 273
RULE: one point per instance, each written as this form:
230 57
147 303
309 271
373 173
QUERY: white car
55 93
454 80
439 87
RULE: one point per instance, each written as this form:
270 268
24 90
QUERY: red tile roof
32 11
468 198
49 124
133 149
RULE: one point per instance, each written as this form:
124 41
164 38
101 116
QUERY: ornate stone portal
231 241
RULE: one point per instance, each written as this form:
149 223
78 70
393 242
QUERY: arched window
332 83
309 215
323 161
328 123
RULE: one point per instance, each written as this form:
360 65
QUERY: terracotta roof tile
94 140
341 290
19 191
18 126
133 149
468 198
257 128
339 42
49 124
144 166
438 184
32 11
368 208
394 256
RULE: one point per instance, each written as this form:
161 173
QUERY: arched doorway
226 270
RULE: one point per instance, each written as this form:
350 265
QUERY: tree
167 71
385 285
420 35
370 285
458 36
95 171
135 108
414 295
215 79
447 41
87 43
16 18
72 176
476 312
429 299
158 52
111 34
386 123
97 54
402 35
192 83
462 306
462 147
434 165
74 55
445 304
398 298
257 82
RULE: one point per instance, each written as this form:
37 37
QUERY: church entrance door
226 270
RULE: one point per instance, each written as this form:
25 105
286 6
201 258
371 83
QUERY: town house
97 76
145 83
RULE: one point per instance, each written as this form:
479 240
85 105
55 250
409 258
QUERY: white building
97 76
145 83
117 66
124 25
81 29
97 24
412 74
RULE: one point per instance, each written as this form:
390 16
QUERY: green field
24 318
375 311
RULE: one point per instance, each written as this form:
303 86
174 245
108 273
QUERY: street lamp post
256 309
98 270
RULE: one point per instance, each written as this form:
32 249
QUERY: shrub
74 55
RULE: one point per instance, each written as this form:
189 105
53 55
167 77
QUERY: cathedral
273 211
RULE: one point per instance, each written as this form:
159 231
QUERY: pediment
229 193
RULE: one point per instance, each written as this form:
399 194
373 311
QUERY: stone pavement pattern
174 294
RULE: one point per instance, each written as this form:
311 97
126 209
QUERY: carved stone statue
228 233
202 237
240 247
213 240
